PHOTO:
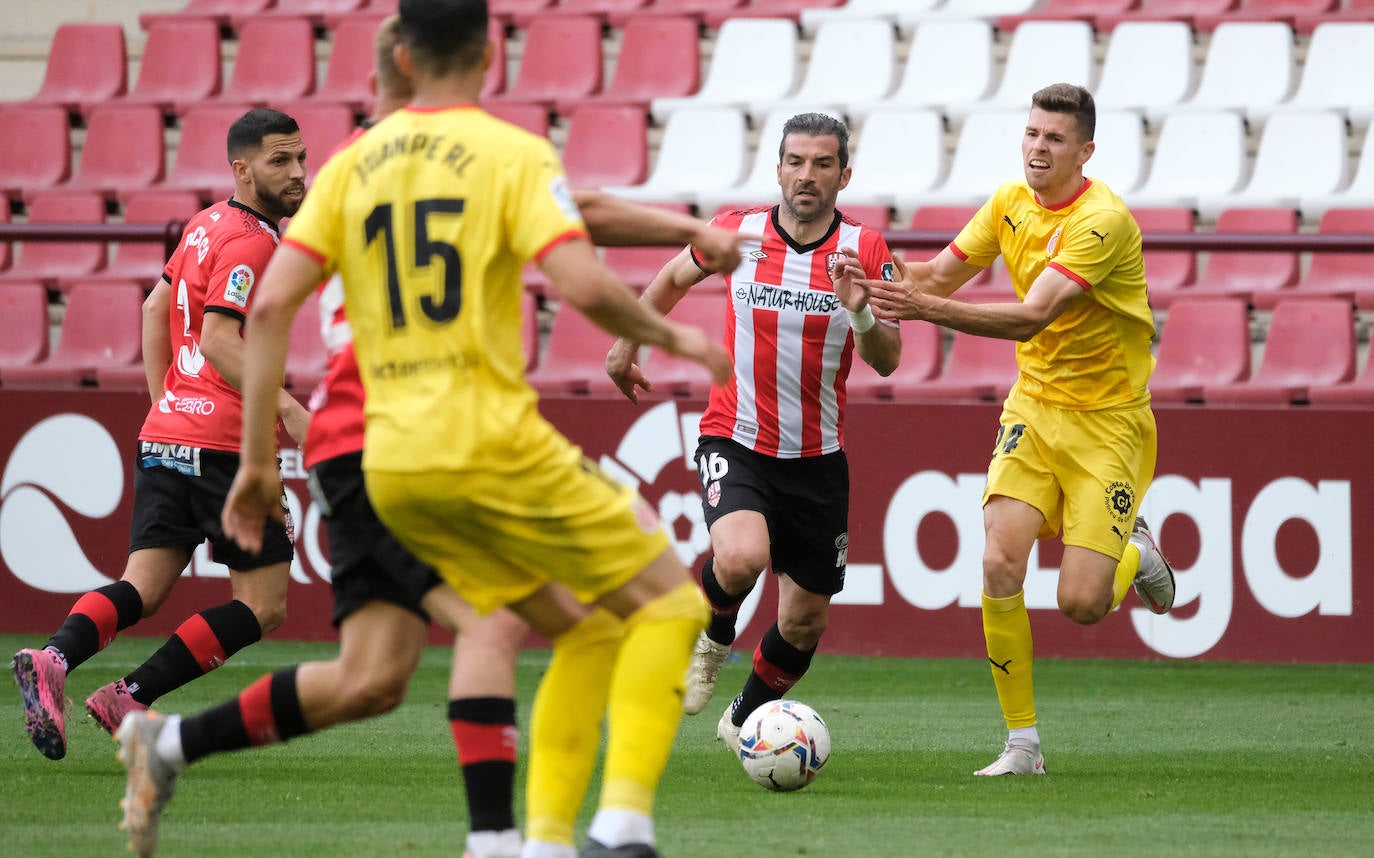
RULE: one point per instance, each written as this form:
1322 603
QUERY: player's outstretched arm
157 338
616 222
662 294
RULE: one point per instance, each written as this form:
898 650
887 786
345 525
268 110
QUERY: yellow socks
1125 573
1006 628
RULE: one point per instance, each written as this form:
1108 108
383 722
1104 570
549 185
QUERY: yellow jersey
1097 353
429 218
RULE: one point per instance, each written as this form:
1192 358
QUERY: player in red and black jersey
188 453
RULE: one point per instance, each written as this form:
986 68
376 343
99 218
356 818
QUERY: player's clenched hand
621 367
254 497
694 344
719 249
847 275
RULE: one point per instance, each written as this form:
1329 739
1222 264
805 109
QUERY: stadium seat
495 81
697 10
702 150
1340 58
1249 67
49 261
4 245
23 325
561 60
574 358
753 61
1298 153
873 217
87 65
305 354
789 9
323 127
1349 11
601 10
989 10
1358 194
1068 10
1148 66
533 118
275 63
1167 271
660 57
606 146
760 184
638 265
898 149
201 163
505 11
180 65
838 73
1197 154
143 261
1248 274
921 356
217 12
352 47
1263 10
1360 391
101 326
1204 341
317 12
1349 276
1119 159
976 368
1041 53
950 219
1311 341
124 150
1163 10
885 10
987 153
35 150
675 376
950 62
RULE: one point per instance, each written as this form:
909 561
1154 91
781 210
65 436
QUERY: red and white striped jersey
336 422
789 336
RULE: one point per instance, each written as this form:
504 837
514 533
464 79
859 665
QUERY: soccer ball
783 745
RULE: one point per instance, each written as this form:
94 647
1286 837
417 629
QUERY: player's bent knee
1084 613
737 570
366 696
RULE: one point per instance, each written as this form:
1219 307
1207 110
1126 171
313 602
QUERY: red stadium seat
531 117
1357 392
87 65
4 245
639 265
574 358
317 12
143 261
1310 342
976 368
217 12
275 63
660 57
1249 274
35 150
1346 275
23 324
1349 11
506 11
351 60
495 81
697 10
201 163
599 9
948 219
1164 10
561 60
1264 10
1167 271
124 150
674 376
101 327
606 147
921 357
1069 10
1204 341
180 66
50 261
874 217
323 128
791 9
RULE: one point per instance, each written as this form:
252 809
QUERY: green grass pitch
1143 758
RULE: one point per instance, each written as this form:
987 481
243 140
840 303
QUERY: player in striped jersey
1076 442
774 478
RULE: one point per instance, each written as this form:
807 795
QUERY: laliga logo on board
67 459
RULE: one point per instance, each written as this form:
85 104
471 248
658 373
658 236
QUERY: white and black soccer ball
783 745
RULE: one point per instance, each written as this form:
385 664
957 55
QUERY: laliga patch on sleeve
239 284
887 271
562 196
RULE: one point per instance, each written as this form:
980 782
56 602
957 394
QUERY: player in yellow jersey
428 219
1076 443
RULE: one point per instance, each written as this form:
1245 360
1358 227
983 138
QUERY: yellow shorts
1084 470
498 536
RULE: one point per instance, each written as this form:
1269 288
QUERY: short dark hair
817 125
249 130
1073 100
444 35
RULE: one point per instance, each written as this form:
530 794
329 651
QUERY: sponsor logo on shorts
713 494
841 550
1120 500
182 458
238 285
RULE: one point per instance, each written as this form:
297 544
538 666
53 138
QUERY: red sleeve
238 267
875 255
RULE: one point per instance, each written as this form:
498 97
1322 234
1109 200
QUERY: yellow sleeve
977 242
1095 245
540 211
317 228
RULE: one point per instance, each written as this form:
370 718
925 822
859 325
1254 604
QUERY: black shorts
805 502
367 563
179 494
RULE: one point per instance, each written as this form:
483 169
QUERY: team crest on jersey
713 494
239 284
831 260
1054 243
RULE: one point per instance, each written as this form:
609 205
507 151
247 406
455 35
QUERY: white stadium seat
1119 159
950 62
1148 66
1041 53
755 59
1336 73
761 184
852 59
1198 154
703 148
988 153
898 151
1249 67
1359 194
1299 152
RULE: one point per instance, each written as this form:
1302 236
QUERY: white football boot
1154 581
702 672
727 732
1019 757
